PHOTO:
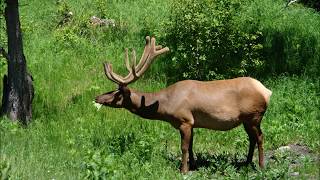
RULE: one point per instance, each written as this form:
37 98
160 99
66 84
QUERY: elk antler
151 51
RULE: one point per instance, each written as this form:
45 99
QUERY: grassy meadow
69 138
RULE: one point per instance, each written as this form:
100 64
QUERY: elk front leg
186 137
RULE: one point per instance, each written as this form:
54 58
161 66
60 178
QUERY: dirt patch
297 150
294 154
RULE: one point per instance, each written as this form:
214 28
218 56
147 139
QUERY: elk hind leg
191 156
259 138
255 137
252 142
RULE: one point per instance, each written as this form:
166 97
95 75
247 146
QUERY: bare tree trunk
18 89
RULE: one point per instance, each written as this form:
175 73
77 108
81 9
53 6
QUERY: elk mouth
98 105
101 100
110 99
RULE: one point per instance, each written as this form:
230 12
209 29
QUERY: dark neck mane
145 105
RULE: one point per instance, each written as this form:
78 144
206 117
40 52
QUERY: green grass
78 138
70 139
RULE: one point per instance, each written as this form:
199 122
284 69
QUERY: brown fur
218 105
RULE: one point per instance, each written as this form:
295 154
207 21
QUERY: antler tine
158 47
118 78
136 68
111 75
145 54
133 65
127 60
131 77
161 51
107 68
151 51
154 52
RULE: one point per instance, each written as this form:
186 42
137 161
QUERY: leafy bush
220 39
206 44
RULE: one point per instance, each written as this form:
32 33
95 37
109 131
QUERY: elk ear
125 91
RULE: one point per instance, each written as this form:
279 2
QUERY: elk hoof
184 170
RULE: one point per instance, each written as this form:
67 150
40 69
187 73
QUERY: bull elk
218 105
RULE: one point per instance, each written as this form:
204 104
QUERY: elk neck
146 105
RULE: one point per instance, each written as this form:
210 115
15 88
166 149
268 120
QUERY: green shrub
206 44
221 39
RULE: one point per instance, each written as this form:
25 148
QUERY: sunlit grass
62 145
69 138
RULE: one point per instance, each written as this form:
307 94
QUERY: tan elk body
218 105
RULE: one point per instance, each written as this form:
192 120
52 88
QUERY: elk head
120 97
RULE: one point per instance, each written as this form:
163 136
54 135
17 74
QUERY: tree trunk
17 86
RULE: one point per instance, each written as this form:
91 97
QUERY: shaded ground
291 158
